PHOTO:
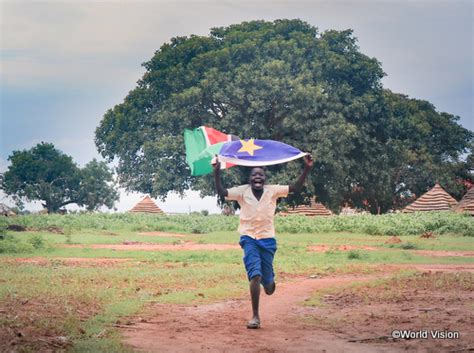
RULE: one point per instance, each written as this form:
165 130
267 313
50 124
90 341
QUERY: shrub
408 246
353 254
37 241
12 245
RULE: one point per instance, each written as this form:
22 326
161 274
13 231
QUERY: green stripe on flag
195 143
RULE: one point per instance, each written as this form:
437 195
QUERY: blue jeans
258 257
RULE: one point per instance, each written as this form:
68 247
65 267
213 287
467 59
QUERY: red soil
324 248
73 261
163 234
444 253
286 324
221 327
430 267
157 247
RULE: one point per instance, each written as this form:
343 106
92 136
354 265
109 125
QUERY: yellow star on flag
249 146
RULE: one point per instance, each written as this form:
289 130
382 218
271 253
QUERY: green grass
111 292
388 224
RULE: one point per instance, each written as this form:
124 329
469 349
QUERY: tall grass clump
354 255
12 245
387 224
132 222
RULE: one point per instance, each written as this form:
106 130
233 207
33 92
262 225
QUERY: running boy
257 209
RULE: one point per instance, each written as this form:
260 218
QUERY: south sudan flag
204 143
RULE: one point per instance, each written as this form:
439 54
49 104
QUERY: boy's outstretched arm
217 179
308 164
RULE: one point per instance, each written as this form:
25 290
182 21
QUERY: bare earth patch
288 326
157 247
444 253
324 248
71 261
430 267
427 302
163 234
393 240
38 324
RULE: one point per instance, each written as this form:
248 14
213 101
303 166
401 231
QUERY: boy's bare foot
270 289
254 323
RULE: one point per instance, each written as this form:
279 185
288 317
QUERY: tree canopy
285 81
45 174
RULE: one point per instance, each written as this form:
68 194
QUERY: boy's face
257 178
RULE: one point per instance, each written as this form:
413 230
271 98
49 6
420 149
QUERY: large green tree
282 80
45 174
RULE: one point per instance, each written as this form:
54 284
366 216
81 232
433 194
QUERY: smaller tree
45 174
96 186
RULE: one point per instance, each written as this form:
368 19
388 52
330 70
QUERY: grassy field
48 300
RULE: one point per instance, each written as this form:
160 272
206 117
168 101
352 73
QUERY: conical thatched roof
467 202
313 209
436 199
147 205
6 211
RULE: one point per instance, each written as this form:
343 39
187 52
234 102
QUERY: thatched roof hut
147 205
6 211
436 199
467 203
313 209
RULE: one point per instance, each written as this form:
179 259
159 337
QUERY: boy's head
257 178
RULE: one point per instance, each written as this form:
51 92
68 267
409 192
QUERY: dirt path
71 261
189 245
449 268
157 247
324 248
221 327
163 234
444 253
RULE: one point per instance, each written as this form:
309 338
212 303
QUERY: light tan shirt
256 216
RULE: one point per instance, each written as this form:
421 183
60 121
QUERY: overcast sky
64 63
